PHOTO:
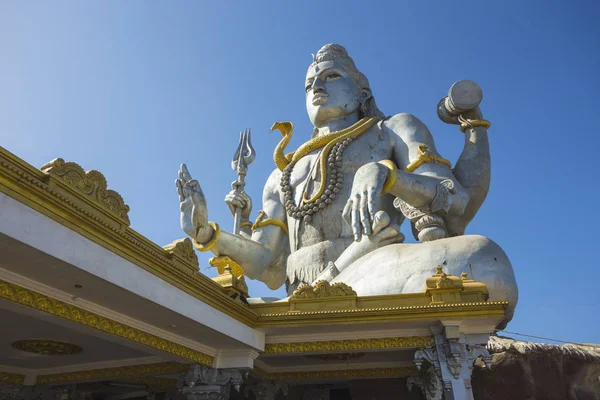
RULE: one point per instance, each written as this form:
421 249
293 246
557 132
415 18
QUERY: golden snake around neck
328 141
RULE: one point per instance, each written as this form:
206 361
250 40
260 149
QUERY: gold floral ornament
322 289
47 347
91 184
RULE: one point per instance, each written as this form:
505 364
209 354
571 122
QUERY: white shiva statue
332 209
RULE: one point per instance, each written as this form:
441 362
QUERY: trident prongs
245 154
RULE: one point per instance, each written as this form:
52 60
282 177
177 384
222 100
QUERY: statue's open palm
194 212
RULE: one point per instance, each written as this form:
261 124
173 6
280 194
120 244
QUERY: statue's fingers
380 221
372 203
347 211
365 218
185 173
355 214
180 190
236 202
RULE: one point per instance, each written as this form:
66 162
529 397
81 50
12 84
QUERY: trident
244 155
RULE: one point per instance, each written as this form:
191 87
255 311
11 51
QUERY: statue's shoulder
272 184
408 127
403 121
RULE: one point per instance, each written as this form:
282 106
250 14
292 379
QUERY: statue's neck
335 125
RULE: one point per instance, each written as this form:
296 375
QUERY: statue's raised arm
259 256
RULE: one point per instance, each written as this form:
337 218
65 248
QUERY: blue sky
134 88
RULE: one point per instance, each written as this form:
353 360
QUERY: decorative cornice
46 347
91 183
53 197
96 374
349 345
22 296
7 377
322 289
399 312
182 252
337 374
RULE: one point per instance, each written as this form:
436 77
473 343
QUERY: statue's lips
319 98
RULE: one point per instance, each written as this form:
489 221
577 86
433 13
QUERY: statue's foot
403 268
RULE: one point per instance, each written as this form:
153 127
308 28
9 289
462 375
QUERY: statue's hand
363 203
194 212
241 200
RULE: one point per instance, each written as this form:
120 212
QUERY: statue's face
330 93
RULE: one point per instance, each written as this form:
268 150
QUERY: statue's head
335 88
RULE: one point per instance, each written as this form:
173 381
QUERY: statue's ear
365 94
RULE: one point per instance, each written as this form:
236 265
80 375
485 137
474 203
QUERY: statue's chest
329 186
369 147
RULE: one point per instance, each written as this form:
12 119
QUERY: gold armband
473 123
213 240
247 223
269 221
390 181
426 157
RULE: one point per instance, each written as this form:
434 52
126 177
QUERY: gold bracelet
473 123
213 240
390 181
247 223
269 221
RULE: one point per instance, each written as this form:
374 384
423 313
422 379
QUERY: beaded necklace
330 163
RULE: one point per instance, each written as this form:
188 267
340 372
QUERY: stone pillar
445 369
205 383
266 390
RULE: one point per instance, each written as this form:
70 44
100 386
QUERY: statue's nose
318 89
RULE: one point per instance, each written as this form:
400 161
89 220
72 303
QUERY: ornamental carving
20 295
95 374
47 347
348 345
92 184
322 289
183 249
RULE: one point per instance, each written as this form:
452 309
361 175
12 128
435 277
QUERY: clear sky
134 88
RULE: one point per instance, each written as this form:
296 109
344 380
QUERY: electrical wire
545 338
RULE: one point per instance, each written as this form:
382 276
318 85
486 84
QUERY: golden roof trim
59 201
91 184
337 374
322 289
7 377
368 314
37 301
347 345
115 372
182 251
